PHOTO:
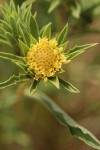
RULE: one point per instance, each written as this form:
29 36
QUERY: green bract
19 31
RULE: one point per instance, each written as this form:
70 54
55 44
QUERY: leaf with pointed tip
6 43
19 61
27 16
47 31
14 80
54 81
33 87
35 14
12 5
6 26
61 37
10 37
24 33
33 40
77 50
12 56
3 10
13 23
3 37
24 48
53 5
42 29
75 129
28 2
34 29
2 30
68 86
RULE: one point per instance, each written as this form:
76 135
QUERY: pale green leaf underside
68 86
14 80
74 128
77 50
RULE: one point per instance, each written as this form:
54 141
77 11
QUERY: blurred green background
26 124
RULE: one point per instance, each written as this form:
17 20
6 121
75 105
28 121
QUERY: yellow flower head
45 58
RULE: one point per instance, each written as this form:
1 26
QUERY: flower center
45 58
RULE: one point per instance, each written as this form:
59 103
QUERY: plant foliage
20 31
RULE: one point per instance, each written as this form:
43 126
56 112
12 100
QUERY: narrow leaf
27 15
33 40
28 2
6 26
68 86
19 61
12 5
42 29
10 37
35 14
5 43
75 129
13 23
47 31
24 48
53 5
62 35
3 37
77 50
11 56
34 29
24 33
14 80
2 30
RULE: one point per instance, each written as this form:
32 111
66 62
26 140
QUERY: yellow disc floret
45 58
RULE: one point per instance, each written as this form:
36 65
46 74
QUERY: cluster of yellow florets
45 58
